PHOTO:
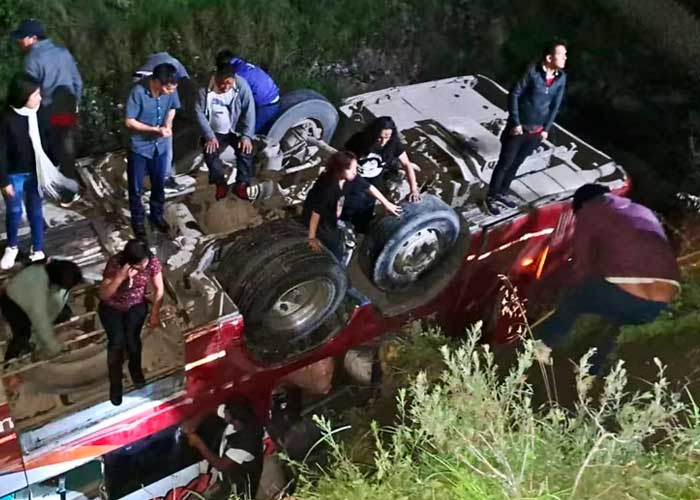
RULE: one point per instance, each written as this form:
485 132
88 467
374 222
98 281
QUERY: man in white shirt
226 116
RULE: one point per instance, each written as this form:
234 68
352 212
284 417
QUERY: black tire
428 226
267 263
304 104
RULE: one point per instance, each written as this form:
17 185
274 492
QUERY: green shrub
474 434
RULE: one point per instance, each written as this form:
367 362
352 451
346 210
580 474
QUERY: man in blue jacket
61 89
533 104
266 93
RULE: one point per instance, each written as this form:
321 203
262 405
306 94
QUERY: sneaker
68 199
37 256
9 258
252 192
161 225
172 186
221 192
492 207
506 200
239 189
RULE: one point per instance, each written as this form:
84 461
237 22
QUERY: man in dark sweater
61 89
625 270
533 104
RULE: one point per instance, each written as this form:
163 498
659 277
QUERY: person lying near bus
226 115
33 301
239 459
324 202
123 310
625 269
379 150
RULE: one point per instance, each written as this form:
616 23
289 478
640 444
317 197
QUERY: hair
165 73
550 47
20 88
135 251
224 56
586 193
339 162
64 273
382 123
224 71
240 409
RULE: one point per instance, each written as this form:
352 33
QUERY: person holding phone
123 310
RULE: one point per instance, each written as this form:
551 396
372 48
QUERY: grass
474 434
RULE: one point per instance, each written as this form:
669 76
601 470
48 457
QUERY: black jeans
514 150
244 163
123 334
332 239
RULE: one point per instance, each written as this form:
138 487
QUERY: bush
475 435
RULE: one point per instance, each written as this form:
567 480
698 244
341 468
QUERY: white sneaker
37 256
9 258
253 192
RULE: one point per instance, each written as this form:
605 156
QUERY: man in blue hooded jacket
266 93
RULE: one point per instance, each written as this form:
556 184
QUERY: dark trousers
264 116
137 168
604 299
514 150
332 239
21 326
244 163
123 335
358 207
63 120
26 191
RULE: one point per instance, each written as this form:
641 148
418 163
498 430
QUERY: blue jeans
604 299
244 163
26 189
137 167
264 116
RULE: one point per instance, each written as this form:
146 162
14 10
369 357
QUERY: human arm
159 290
389 206
133 109
222 464
556 103
246 121
514 97
114 276
77 83
200 111
313 228
583 246
4 160
411 175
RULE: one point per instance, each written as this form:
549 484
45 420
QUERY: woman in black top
27 171
378 149
324 202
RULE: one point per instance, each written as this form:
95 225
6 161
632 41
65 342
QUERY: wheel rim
417 253
302 304
294 141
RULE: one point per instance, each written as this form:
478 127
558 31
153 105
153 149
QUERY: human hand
517 130
165 131
246 145
393 209
154 320
414 197
314 245
211 146
9 191
543 135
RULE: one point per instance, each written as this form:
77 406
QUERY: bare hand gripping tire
398 251
303 104
283 289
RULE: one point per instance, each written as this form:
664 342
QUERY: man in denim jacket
533 104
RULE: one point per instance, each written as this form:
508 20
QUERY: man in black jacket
533 104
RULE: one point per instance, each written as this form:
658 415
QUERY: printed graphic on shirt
370 166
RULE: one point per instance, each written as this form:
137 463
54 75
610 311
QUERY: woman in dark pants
123 310
324 202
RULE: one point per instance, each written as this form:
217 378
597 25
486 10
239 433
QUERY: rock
230 214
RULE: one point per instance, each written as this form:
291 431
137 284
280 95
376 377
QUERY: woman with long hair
27 169
123 310
324 202
379 152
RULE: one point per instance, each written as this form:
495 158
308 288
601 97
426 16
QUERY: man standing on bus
533 104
